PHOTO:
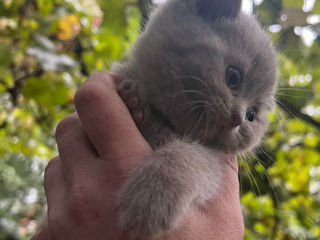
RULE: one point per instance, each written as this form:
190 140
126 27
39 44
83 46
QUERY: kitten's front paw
133 98
149 212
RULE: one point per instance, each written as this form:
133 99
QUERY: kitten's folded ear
212 10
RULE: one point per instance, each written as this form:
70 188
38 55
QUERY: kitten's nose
235 120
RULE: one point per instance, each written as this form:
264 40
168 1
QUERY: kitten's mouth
225 139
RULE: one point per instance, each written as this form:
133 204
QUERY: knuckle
94 89
82 205
56 225
108 79
87 94
65 125
115 77
49 172
52 162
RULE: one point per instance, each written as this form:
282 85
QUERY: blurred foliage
49 47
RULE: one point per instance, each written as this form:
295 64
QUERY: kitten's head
215 68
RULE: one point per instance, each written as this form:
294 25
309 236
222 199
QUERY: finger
54 183
56 190
225 209
229 189
43 235
74 146
107 120
114 76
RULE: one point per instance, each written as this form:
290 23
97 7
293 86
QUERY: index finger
107 120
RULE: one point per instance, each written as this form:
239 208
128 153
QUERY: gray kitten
204 74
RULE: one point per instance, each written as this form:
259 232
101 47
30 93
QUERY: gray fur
177 68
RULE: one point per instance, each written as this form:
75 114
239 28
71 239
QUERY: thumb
225 209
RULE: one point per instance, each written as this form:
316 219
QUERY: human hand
97 149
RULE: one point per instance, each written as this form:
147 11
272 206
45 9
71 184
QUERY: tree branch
15 91
78 49
3 125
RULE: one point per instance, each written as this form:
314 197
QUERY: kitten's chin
222 146
226 148
229 142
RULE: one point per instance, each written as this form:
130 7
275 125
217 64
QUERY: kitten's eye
251 115
233 77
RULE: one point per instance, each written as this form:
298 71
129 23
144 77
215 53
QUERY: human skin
98 147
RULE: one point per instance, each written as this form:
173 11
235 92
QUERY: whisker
197 101
205 94
281 121
248 175
198 122
286 107
302 116
207 127
250 171
269 179
296 89
270 158
294 96
240 180
196 107
193 77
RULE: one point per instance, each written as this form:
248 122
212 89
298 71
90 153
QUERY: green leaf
292 3
316 8
114 15
5 54
46 91
45 6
